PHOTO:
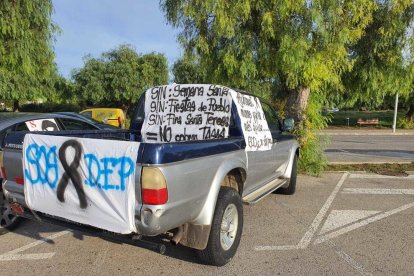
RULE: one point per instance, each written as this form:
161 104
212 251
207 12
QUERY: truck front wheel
226 229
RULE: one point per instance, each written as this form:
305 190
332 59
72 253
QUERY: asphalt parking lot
340 223
363 146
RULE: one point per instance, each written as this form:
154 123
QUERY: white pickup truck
200 152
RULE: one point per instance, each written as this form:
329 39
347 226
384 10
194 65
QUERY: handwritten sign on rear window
190 112
253 122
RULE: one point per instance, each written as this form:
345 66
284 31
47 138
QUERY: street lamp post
394 124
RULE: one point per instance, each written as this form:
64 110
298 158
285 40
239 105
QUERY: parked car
82 117
110 116
19 121
233 150
333 109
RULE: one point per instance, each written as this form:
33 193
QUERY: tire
7 219
290 190
222 246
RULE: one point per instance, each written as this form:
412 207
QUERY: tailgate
88 181
13 173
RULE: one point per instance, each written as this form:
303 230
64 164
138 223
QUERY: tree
383 57
188 70
89 80
409 116
27 68
64 91
121 79
153 70
300 44
264 46
119 76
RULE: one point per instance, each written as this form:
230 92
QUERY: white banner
90 181
253 122
186 112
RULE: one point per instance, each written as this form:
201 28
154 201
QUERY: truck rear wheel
226 229
7 219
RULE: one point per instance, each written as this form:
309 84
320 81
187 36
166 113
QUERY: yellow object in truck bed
109 116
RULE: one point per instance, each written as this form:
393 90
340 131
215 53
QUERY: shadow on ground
33 229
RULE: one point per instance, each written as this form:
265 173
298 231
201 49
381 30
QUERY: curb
344 171
367 162
365 172
367 134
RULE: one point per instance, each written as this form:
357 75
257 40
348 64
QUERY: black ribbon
71 173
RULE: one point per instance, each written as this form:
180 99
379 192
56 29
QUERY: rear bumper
129 239
14 192
148 222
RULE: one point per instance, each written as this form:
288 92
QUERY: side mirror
288 124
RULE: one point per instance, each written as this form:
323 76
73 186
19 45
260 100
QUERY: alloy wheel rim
229 225
7 217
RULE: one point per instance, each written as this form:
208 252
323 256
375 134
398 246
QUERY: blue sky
96 26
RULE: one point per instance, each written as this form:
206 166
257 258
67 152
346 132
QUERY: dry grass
385 169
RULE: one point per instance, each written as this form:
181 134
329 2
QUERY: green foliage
284 46
312 159
27 69
119 76
249 43
64 91
385 117
280 106
383 64
405 123
90 80
188 70
52 107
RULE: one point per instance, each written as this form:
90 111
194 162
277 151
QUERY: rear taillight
154 186
19 180
2 173
119 121
2 170
17 209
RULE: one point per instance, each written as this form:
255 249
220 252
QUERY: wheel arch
235 179
229 172
294 152
232 174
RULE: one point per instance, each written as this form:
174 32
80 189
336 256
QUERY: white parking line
373 176
305 241
378 191
276 247
347 258
357 225
19 257
14 256
341 218
357 266
307 237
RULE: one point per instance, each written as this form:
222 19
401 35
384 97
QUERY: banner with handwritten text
89 181
253 122
190 112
